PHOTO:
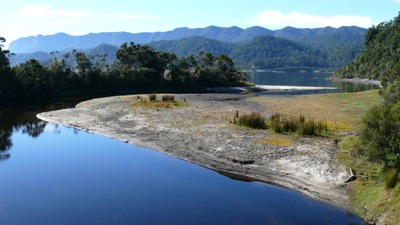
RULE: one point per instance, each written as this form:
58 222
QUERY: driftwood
351 177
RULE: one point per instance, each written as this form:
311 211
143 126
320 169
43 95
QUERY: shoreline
202 134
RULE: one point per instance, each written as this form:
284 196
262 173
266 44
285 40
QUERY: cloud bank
276 19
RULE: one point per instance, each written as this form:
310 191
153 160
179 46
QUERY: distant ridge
62 41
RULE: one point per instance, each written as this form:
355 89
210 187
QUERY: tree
5 76
31 76
380 133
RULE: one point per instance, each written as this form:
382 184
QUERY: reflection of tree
11 121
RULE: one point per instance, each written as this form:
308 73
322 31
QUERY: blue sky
23 18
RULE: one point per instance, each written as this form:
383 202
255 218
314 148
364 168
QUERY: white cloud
396 1
276 19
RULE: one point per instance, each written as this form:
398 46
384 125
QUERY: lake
305 79
51 174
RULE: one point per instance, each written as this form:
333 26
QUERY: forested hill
62 41
381 59
262 52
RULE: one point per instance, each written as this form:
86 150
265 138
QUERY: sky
22 18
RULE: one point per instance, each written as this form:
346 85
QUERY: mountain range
335 46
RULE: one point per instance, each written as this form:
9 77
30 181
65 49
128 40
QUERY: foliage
137 67
299 125
393 160
391 177
380 60
252 120
380 132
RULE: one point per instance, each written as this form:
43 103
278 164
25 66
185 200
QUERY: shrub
253 120
152 97
391 177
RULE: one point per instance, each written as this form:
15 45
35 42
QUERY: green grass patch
370 196
341 111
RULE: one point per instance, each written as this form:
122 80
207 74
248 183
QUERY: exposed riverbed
201 133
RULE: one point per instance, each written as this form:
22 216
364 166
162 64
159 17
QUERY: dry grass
342 112
276 141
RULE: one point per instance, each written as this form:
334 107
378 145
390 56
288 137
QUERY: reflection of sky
67 178
52 128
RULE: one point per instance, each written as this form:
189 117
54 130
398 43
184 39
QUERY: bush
152 97
253 120
391 177
380 132
168 98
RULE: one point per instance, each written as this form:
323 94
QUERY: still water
52 174
306 79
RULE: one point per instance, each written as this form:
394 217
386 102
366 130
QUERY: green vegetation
299 125
340 111
380 60
137 68
378 153
252 120
269 52
168 101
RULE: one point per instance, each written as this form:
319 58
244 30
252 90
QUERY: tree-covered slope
267 52
381 58
193 45
62 41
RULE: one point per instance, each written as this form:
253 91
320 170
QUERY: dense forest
137 68
303 51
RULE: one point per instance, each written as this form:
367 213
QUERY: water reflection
306 79
17 120
346 86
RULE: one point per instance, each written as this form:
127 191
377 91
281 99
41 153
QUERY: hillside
288 48
380 60
62 41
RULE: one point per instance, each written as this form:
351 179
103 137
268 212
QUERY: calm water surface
52 174
306 79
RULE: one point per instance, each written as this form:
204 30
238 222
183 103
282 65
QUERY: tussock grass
168 101
252 120
299 125
391 177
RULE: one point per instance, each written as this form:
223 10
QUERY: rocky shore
202 133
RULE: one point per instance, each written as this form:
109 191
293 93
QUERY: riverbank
201 133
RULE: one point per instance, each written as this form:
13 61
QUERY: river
52 174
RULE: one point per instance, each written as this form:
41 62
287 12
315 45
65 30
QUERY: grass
370 196
252 120
276 141
299 125
343 112
340 111
168 101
